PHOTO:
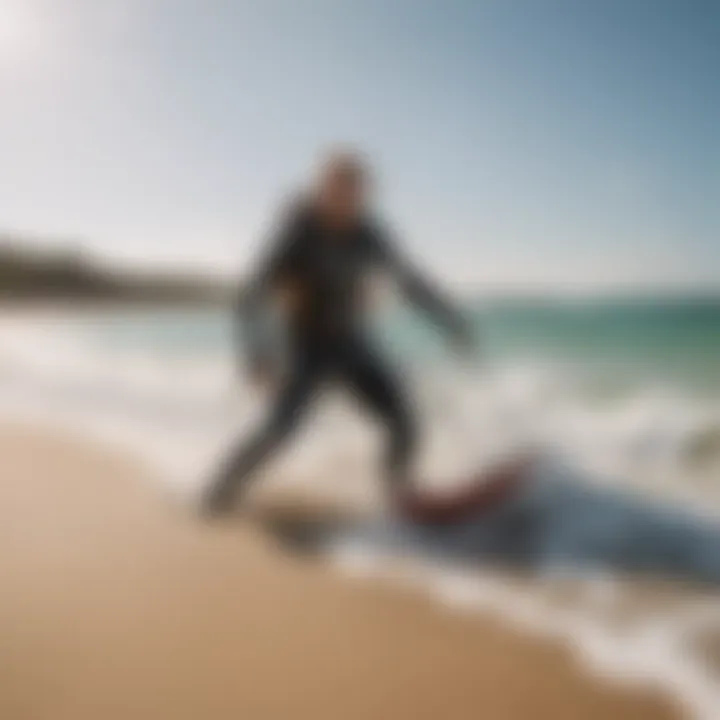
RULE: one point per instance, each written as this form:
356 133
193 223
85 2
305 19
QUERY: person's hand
465 343
261 375
262 379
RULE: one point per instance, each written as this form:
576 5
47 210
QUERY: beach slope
116 604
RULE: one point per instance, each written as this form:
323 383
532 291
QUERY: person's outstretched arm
423 293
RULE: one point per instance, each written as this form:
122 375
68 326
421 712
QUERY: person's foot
216 502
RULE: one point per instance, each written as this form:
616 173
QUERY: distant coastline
31 273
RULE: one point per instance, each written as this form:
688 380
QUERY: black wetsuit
326 269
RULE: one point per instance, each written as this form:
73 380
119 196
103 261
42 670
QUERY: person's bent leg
378 389
237 470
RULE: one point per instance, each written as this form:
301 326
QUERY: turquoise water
616 341
672 340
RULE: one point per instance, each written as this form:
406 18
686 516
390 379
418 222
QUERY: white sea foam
179 412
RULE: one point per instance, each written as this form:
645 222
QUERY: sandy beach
117 604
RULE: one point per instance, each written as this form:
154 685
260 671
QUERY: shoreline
117 604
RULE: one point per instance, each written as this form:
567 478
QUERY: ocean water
620 398
629 388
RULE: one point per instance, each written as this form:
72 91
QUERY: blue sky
554 143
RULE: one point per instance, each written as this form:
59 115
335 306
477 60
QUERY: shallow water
626 433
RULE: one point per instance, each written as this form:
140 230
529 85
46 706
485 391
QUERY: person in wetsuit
321 258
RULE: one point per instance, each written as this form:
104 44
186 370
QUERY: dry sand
116 604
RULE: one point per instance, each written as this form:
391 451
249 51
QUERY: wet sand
116 603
